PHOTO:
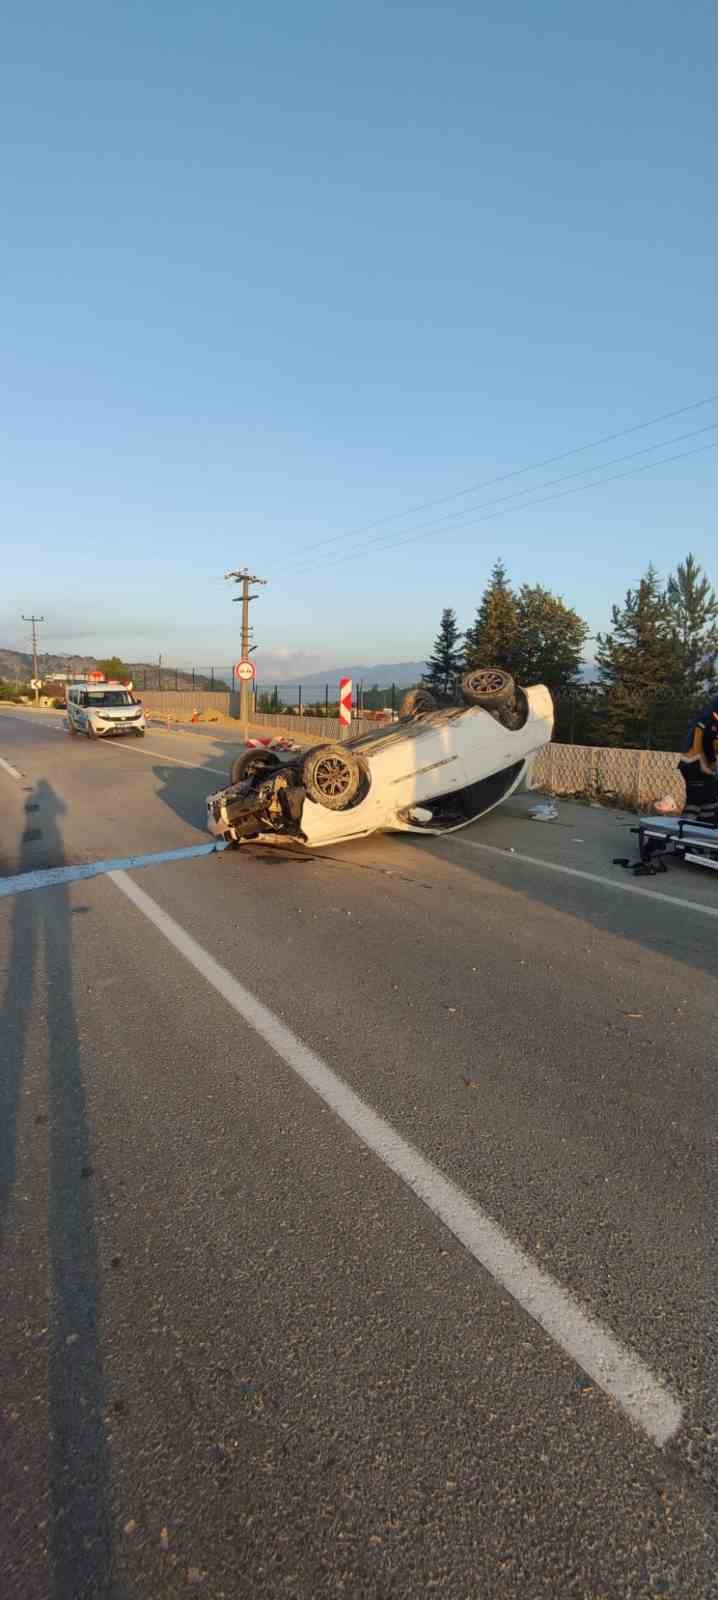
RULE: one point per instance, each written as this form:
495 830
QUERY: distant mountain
402 673
16 667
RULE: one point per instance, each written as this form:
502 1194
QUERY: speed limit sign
244 671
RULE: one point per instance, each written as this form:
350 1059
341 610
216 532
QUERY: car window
110 697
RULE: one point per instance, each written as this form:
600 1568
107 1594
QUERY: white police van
98 709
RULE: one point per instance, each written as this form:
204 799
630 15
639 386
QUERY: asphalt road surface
357 1211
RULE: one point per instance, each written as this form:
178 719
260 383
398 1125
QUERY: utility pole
34 621
245 578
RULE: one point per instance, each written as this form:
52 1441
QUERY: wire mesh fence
168 680
581 713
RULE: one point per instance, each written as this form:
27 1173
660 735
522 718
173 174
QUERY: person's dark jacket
702 738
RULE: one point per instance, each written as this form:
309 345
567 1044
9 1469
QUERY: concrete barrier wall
182 702
633 778
323 727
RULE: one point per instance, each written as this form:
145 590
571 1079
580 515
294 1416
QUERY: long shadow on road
185 789
683 935
80 1536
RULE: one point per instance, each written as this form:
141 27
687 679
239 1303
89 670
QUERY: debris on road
667 807
273 744
545 812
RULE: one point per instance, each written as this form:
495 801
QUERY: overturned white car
438 768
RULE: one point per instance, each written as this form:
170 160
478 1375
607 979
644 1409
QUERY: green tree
376 697
491 641
113 667
268 700
550 637
694 614
638 663
443 668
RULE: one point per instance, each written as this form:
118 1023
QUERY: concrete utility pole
35 673
245 578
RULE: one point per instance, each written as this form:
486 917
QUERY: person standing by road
698 765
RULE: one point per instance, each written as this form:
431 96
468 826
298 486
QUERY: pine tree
447 662
491 641
638 662
694 612
550 639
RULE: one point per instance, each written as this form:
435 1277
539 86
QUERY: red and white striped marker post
345 703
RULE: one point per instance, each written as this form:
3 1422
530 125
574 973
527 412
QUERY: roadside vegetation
653 666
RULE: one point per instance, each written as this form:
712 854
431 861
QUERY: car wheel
416 704
331 776
252 762
140 732
489 687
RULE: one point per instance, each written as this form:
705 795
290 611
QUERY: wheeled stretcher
696 842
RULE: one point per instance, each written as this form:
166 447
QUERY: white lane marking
33 716
219 772
49 877
6 766
615 1368
45 720
589 877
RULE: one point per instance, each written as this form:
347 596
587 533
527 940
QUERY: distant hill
16 667
402 673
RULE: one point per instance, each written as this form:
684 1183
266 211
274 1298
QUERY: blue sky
272 273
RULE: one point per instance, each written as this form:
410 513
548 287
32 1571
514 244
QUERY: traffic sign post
244 676
244 670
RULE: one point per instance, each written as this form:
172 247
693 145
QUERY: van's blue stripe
48 877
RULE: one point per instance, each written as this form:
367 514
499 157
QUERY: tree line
655 665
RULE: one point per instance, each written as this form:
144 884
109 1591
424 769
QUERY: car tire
417 703
489 687
331 776
250 763
140 733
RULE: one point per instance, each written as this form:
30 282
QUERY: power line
516 472
433 526
423 529
576 488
